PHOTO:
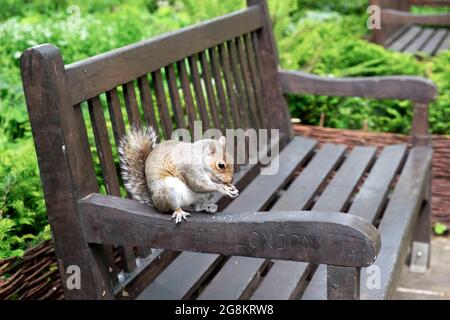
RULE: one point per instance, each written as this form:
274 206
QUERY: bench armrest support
329 238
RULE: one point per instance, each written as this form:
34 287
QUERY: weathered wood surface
432 46
288 235
400 214
62 147
401 17
242 62
415 38
398 222
386 87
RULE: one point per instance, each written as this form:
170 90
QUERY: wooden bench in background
311 231
407 32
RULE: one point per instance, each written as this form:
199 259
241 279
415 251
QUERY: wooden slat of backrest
255 197
397 224
248 85
175 96
98 121
161 101
420 41
333 199
187 93
217 74
406 38
260 72
198 89
434 42
225 59
118 126
367 205
147 102
255 78
134 118
207 79
109 172
103 145
237 79
107 163
92 76
115 114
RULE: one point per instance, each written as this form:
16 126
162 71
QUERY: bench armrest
329 238
417 89
434 3
420 90
392 16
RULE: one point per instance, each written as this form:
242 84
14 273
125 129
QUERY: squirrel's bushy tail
134 149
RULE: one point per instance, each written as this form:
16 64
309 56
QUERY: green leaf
440 228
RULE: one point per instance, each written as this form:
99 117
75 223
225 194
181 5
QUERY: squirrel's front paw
231 191
180 215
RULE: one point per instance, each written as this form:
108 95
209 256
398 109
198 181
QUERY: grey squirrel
172 175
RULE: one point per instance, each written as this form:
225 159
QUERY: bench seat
384 186
416 38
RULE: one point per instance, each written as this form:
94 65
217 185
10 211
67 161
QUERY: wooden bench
406 32
310 231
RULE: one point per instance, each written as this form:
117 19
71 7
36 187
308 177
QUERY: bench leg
343 283
420 247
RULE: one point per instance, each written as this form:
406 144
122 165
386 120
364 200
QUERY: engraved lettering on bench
206 235
278 241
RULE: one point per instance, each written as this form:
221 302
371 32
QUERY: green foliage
333 45
22 209
440 229
318 36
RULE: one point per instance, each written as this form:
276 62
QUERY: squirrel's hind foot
180 215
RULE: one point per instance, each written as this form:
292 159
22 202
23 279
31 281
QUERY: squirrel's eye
221 165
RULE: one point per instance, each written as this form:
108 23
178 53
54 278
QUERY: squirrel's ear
211 148
223 140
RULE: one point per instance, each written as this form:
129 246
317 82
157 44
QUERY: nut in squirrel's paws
180 215
231 191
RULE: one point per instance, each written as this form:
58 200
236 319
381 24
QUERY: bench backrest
223 72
